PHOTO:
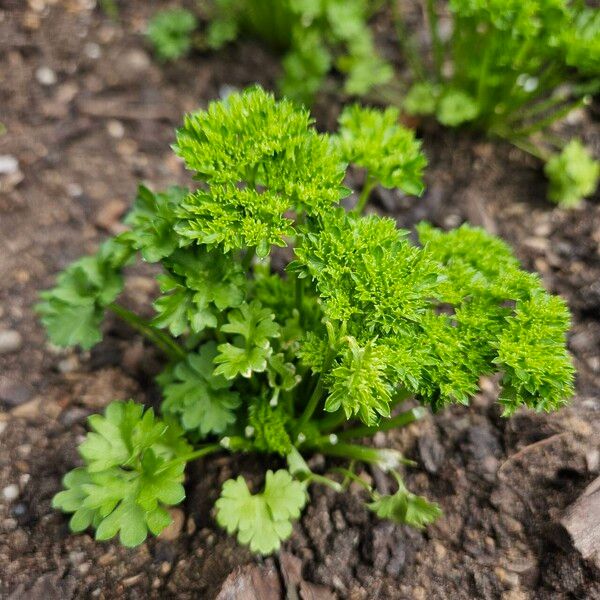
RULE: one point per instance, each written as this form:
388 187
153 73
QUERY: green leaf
170 32
134 468
180 309
254 327
404 507
422 98
389 152
201 400
152 220
268 426
262 520
573 175
73 311
456 107
263 161
358 383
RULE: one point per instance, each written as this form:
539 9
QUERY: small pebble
92 50
46 76
69 364
74 190
115 129
10 341
11 492
8 164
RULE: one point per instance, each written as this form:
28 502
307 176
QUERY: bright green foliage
422 98
456 107
375 141
200 285
267 425
262 160
573 174
517 66
152 220
292 357
202 400
582 42
74 310
262 520
533 357
170 32
134 468
312 37
359 385
254 328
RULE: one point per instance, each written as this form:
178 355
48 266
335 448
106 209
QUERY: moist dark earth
86 113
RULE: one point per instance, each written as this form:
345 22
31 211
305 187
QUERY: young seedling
511 68
315 358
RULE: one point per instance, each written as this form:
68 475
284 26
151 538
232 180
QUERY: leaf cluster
134 469
313 37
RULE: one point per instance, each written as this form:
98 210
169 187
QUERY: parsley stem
248 257
317 392
162 341
186 458
555 116
350 451
370 183
400 420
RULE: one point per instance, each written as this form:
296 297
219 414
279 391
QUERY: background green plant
311 359
511 68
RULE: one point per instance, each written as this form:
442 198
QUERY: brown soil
88 113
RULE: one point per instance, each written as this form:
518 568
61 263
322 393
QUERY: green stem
401 420
299 296
186 458
370 183
555 116
317 392
438 49
161 340
349 451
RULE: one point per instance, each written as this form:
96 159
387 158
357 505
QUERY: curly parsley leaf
375 140
152 220
262 161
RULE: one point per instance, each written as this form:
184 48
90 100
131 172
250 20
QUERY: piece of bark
252 582
582 522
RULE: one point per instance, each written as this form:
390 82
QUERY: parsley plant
316 357
312 37
512 68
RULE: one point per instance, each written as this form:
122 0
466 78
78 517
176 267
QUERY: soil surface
86 113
